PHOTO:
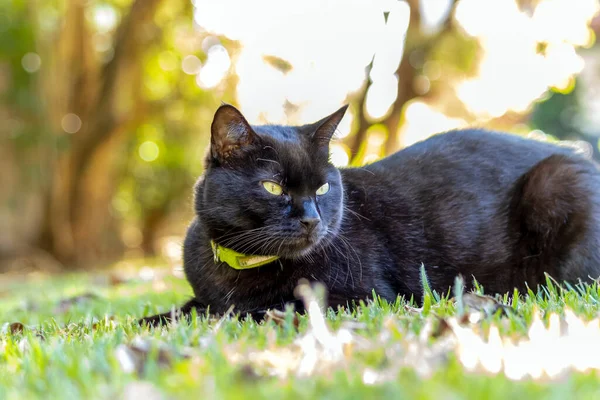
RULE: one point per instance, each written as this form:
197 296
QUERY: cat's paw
155 320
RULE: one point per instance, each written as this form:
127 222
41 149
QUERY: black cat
271 210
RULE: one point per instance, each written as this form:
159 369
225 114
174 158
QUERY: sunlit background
106 105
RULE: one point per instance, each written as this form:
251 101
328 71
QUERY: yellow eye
323 189
272 188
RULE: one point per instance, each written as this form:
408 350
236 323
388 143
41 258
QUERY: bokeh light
148 151
215 68
105 17
191 64
71 123
339 155
168 60
31 62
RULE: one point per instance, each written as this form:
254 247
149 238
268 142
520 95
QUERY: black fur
481 204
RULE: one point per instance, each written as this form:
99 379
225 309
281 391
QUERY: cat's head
270 190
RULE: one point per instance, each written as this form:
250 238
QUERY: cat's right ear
230 132
327 126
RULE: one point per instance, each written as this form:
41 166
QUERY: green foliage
456 53
560 114
177 125
170 111
18 94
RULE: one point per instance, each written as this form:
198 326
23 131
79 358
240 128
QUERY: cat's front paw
156 320
174 315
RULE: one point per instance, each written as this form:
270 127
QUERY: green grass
85 348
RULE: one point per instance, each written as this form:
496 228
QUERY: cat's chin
297 248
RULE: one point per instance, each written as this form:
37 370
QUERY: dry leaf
108 318
65 305
487 304
441 328
13 329
141 390
133 357
248 373
16 327
29 305
115 279
278 317
39 334
412 310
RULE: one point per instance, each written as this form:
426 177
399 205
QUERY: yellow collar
238 260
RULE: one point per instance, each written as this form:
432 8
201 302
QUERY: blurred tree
105 87
420 46
565 114
560 116
103 101
562 113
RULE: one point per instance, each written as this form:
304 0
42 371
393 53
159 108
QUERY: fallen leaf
412 310
463 319
133 357
109 319
487 304
441 328
29 305
110 279
39 334
24 346
115 279
12 328
248 373
279 318
141 390
65 305
16 327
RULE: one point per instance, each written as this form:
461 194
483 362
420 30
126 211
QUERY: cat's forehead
279 133
286 150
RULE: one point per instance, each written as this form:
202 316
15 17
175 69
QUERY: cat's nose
310 223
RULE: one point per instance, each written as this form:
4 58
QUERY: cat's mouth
294 245
299 246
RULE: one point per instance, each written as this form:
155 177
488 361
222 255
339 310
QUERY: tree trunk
406 74
357 140
150 226
415 42
78 225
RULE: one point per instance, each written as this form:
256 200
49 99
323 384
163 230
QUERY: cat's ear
229 132
327 126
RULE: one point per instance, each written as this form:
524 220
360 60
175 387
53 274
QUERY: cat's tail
551 207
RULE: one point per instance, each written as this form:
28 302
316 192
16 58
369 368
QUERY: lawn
75 336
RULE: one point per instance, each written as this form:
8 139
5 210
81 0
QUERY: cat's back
472 150
469 158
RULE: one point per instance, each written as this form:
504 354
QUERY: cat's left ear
327 126
230 132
